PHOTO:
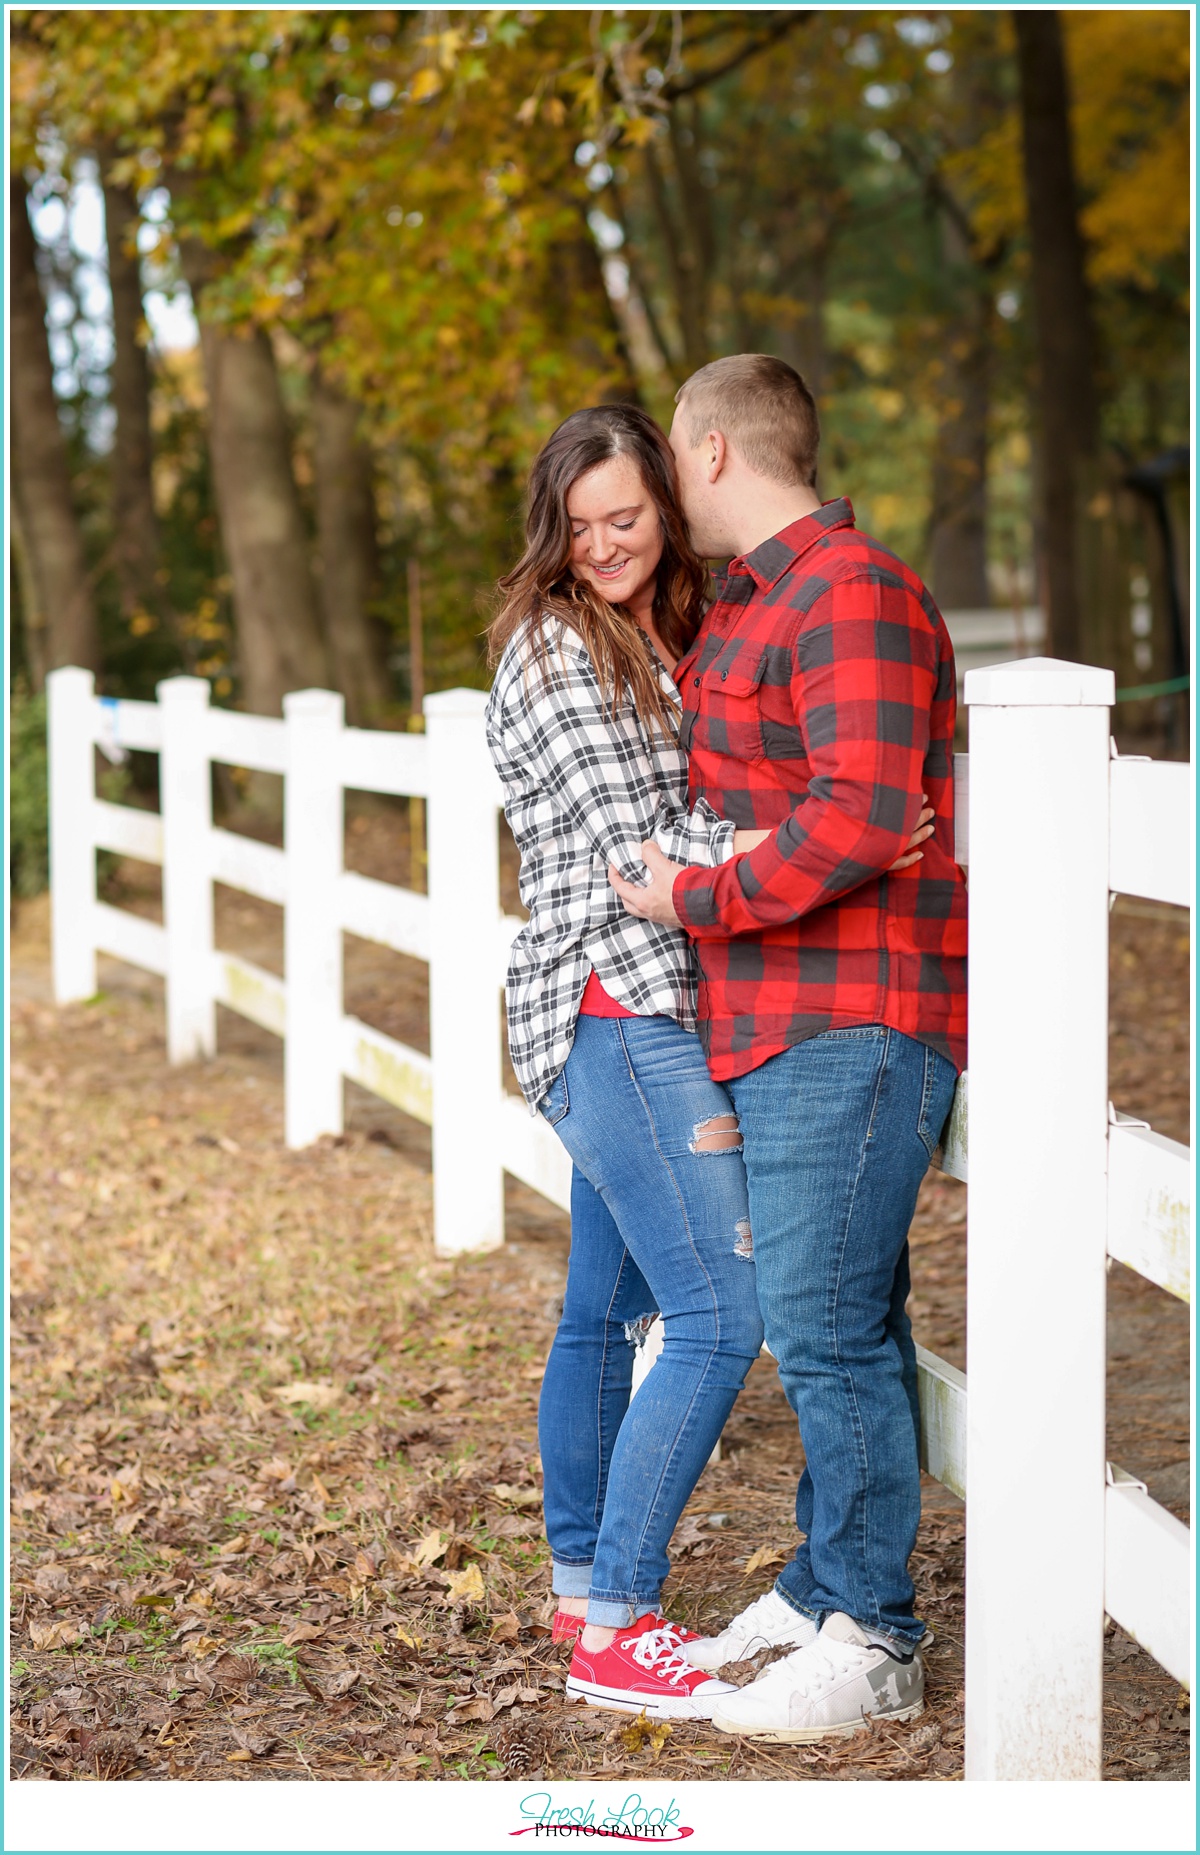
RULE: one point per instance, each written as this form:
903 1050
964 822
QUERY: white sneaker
767 1623
825 1691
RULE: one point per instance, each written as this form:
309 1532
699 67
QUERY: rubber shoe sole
810 1735
654 1706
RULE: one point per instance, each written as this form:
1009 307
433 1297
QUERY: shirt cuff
695 903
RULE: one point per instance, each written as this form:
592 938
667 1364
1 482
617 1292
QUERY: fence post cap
195 689
313 702
1040 682
69 675
456 702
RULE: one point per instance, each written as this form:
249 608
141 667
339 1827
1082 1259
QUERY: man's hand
653 901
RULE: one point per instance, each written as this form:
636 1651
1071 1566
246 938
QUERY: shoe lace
659 1650
820 1667
754 1614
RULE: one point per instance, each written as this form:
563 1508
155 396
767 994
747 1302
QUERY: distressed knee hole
719 1134
636 1331
743 1239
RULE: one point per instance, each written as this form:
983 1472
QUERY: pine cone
519 1747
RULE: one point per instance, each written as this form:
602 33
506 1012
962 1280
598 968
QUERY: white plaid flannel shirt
582 789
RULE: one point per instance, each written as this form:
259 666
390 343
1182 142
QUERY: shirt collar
770 560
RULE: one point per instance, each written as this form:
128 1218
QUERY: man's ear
717 454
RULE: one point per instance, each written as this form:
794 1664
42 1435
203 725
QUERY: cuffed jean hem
904 1645
570 1580
613 1614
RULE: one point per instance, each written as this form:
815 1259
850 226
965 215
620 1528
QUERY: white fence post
185 793
312 835
71 758
1038 1032
464 1008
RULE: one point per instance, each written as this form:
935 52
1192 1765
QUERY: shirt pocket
732 713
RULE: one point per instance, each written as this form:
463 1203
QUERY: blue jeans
655 1226
838 1132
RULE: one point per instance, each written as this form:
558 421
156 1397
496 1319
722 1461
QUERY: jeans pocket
555 1103
937 1099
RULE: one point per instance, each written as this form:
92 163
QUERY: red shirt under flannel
818 702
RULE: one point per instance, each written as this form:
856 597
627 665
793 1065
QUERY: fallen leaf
341 1683
241 1756
302 1392
304 1632
62 1633
253 1745
480 1708
364 1567
430 1548
232 1547
766 1555
506 1628
465 1587
320 1490
643 1732
200 1646
517 1497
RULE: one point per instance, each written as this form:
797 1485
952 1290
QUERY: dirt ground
274 1467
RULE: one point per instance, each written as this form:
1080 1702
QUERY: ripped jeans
659 1221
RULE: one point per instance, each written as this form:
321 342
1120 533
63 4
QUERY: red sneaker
567 1628
644 1670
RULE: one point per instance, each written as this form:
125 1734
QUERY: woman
601 1016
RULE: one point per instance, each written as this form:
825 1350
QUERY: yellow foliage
1130 88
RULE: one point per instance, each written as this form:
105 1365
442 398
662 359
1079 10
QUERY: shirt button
724 674
695 682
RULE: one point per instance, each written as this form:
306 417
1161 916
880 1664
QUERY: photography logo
630 1821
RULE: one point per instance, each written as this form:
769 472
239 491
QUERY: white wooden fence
1051 824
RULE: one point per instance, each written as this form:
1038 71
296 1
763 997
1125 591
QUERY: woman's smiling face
616 535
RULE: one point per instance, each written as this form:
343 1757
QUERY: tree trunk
958 518
135 525
1062 314
582 315
64 601
347 555
262 526
33 622
680 266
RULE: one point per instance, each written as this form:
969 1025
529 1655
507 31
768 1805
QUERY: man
819 703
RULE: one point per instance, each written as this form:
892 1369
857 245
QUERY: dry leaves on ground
275 1475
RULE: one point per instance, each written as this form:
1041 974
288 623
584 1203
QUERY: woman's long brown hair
542 580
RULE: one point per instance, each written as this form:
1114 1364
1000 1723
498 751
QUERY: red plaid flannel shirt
818 703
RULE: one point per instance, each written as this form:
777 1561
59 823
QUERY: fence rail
1060 1182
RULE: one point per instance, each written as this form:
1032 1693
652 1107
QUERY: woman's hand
924 829
750 840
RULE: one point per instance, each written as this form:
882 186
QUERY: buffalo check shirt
583 787
819 703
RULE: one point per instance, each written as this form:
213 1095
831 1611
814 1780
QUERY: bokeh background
297 294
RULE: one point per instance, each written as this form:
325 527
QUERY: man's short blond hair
762 407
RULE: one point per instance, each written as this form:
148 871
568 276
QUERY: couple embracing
740 1000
